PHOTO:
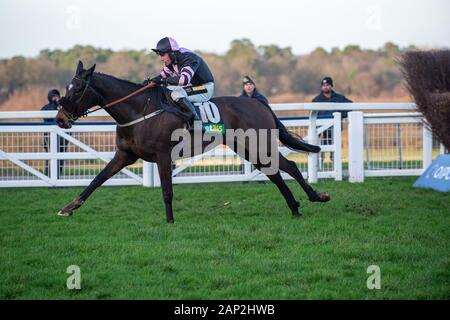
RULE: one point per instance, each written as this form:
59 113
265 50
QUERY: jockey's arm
188 67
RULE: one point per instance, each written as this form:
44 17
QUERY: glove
158 80
146 81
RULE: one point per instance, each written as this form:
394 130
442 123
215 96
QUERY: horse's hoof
294 208
324 196
320 197
297 215
170 221
68 210
64 214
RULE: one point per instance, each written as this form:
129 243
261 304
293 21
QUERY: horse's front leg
121 159
165 174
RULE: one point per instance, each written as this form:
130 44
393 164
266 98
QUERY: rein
112 103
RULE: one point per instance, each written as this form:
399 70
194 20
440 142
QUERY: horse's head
79 97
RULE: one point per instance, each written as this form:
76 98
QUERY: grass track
230 240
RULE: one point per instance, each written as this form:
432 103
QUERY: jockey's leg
180 97
184 99
187 105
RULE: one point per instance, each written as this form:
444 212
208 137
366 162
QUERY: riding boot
187 105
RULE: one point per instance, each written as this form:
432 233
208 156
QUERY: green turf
229 240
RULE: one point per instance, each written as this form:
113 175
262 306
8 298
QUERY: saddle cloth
208 111
211 117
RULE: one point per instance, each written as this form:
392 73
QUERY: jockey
186 74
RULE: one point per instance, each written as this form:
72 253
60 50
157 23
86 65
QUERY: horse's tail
290 139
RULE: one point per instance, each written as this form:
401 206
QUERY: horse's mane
156 93
119 79
155 90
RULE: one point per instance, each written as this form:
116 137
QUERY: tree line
357 72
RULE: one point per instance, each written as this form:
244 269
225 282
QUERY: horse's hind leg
275 178
290 167
121 160
285 191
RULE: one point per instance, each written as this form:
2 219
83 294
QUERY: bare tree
427 75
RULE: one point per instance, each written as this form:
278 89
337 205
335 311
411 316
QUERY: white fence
35 154
388 144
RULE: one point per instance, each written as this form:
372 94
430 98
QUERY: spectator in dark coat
53 97
327 94
249 90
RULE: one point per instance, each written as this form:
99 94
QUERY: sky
29 26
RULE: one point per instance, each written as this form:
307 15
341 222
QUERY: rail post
147 174
54 170
337 146
356 146
427 147
313 158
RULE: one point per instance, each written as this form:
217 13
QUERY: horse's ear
90 71
79 68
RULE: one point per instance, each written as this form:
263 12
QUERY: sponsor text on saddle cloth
208 111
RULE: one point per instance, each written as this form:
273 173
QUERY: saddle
208 111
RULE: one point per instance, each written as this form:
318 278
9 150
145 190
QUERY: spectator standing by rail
53 98
327 94
249 90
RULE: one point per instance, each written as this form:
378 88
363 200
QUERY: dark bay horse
150 139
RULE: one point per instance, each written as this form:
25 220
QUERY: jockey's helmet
166 45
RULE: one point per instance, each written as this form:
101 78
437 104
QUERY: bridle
75 116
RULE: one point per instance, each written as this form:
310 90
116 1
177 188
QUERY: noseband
75 116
